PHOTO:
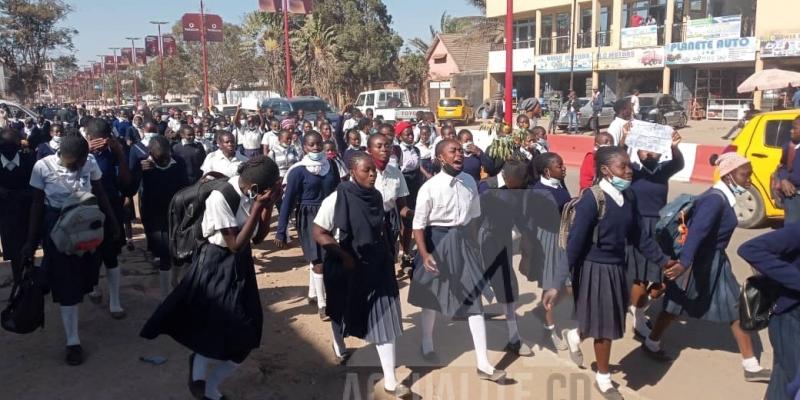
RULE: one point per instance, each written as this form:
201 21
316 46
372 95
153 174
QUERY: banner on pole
109 63
151 46
192 22
295 6
213 28
97 69
126 56
170 47
141 56
120 65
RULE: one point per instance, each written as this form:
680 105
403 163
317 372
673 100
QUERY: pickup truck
389 104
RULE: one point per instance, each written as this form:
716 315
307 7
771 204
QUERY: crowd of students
362 194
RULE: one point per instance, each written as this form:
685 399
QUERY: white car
389 104
15 108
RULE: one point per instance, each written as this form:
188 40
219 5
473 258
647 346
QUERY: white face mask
150 135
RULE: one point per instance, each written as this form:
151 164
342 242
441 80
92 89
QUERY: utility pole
206 104
135 69
116 74
102 77
572 47
161 59
509 82
287 47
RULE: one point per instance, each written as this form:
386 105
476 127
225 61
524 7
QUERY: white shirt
547 183
410 158
615 129
349 124
635 102
726 191
270 139
445 200
612 192
216 161
250 139
325 215
364 138
45 177
219 216
174 124
425 151
392 186
10 164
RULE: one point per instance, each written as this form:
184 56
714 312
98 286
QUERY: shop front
623 71
554 74
782 52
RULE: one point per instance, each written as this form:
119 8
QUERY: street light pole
509 81
206 104
287 47
135 70
161 59
116 74
572 46
102 77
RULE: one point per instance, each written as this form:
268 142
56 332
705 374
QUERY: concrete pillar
616 25
538 33
596 80
595 21
757 93
665 80
668 21
537 85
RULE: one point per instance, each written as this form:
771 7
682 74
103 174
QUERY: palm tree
265 30
313 48
447 24
480 4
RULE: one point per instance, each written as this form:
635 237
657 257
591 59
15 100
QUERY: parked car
454 109
15 108
584 113
662 109
228 110
761 140
311 106
389 104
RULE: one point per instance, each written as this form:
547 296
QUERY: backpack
79 228
568 215
672 226
25 310
186 211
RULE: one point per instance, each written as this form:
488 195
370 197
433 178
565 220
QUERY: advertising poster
781 46
714 28
712 51
561 63
640 36
631 59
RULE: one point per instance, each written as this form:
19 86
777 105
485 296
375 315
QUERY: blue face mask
619 183
736 189
315 156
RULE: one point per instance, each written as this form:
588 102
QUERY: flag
126 58
141 56
295 6
192 22
151 46
170 47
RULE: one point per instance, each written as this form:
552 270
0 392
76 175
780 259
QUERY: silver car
584 113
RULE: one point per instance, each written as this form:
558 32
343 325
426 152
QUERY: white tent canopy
770 79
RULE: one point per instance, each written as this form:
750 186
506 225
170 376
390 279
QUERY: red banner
141 56
151 46
170 47
191 23
121 63
126 58
295 6
97 69
109 63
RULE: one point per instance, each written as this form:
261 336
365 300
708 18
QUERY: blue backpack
672 226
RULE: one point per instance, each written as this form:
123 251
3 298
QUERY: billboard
561 63
712 51
151 46
631 59
295 6
192 22
714 28
781 46
170 47
640 36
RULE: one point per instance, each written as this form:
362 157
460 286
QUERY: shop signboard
640 36
561 63
711 51
781 46
522 61
631 59
714 28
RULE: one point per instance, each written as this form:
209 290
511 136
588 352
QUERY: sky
106 23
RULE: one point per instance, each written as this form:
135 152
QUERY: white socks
165 283
603 381
386 354
339 346
199 367
217 376
113 275
573 339
69 317
652 345
319 287
312 293
477 327
511 321
428 320
751 364
640 320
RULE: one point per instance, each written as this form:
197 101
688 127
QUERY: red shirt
636 20
587 171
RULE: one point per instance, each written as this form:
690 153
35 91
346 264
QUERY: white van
390 104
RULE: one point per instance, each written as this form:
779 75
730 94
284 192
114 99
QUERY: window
440 59
370 99
360 101
524 32
777 133
449 103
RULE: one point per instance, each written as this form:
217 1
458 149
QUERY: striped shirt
285 157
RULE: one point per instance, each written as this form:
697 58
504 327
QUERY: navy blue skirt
601 300
712 293
497 250
68 277
785 380
639 267
312 252
215 310
457 288
14 217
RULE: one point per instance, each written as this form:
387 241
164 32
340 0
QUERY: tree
479 4
447 24
314 47
29 34
231 62
412 71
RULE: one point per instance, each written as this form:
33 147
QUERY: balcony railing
562 44
679 30
584 40
603 38
521 44
546 46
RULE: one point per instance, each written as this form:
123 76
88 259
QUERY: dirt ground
295 360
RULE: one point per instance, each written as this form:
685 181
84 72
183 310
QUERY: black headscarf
358 215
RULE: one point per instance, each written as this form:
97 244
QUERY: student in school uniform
702 285
226 160
359 266
113 162
189 153
412 173
215 311
329 147
423 144
51 147
353 146
15 196
586 179
70 277
308 182
159 177
598 267
392 186
650 185
776 255
271 137
249 135
448 276
789 174
498 195
326 130
475 159
283 153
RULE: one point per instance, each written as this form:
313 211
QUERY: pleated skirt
459 285
68 277
384 322
639 267
496 252
312 252
554 258
14 218
215 310
601 299
785 381
712 293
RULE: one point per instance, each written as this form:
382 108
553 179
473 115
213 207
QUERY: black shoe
519 348
196 388
312 301
74 355
659 355
497 376
431 357
223 397
96 298
341 360
760 376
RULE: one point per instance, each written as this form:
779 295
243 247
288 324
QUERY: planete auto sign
712 51
631 59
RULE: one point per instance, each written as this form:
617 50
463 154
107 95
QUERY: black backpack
25 310
186 213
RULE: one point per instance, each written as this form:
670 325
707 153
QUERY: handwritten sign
250 103
652 137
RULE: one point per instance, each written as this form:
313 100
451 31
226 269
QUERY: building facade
692 49
457 68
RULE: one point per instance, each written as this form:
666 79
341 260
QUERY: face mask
736 189
315 156
150 135
601 145
650 164
56 139
467 147
619 183
449 169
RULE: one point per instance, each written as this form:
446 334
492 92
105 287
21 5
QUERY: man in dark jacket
597 108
